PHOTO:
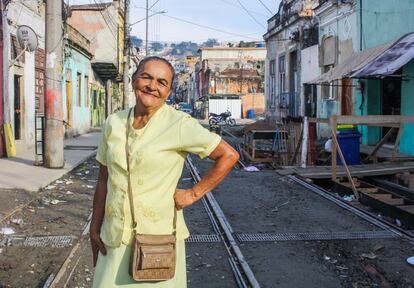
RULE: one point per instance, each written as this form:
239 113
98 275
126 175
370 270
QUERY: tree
211 42
137 42
157 46
184 48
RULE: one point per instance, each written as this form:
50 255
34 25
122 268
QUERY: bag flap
158 249
154 239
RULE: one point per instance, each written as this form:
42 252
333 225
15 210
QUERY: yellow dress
157 157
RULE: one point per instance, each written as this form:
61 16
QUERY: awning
352 63
395 57
375 62
106 70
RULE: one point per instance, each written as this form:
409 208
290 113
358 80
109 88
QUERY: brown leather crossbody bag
152 256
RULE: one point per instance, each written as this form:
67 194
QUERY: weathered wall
339 21
103 37
407 109
255 101
233 53
31 14
97 99
76 62
384 21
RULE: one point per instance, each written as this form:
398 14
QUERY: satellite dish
27 38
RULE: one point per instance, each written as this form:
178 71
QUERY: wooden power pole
146 29
53 102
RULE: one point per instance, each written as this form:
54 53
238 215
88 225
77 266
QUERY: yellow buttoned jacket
158 153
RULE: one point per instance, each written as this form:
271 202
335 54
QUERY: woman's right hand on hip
97 246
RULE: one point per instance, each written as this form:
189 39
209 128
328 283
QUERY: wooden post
293 159
305 138
333 129
379 145
397 142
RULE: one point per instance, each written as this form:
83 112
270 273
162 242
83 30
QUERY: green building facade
380 22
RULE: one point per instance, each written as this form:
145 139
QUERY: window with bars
282 74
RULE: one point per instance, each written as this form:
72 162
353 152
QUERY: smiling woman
142 155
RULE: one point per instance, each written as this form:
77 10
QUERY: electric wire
264 5
208 27
238 6
104 18
250 14
204 26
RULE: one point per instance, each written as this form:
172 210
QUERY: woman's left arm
225 157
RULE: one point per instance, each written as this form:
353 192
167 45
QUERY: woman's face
152 85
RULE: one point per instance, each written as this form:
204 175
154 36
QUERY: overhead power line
109 26
204 26
250 14
238 6
264 5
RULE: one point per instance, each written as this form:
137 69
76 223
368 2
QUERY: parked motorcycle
221 119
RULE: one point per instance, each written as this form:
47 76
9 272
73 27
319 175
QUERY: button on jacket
157 155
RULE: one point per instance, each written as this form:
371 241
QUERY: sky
228 16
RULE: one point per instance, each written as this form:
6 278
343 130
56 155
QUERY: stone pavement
19 172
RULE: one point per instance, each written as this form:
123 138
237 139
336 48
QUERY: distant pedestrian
158 140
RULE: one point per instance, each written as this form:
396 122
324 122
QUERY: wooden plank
333 160
387 198
379 145
325 172
318 120
397 143
368 190
408 208
297 148
376 120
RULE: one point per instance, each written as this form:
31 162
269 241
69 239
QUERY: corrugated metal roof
352 63
379 61
395 57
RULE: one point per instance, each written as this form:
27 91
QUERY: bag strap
131 196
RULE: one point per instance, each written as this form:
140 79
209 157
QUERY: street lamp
160 12
146 26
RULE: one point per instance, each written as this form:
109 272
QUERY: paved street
32 177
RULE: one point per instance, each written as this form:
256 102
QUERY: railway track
362 213
385 197
242 272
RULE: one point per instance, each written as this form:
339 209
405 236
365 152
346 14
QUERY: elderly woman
159 138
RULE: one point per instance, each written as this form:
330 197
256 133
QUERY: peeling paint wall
407 109
102 34
339 23
30 13
74 63
383 22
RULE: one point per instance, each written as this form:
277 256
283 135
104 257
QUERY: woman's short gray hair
149 59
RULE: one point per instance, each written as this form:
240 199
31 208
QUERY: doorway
68 102
346 97
17 107
391 101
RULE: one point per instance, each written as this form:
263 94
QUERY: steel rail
238 263
357 211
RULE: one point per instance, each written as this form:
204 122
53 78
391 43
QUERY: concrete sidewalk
20 173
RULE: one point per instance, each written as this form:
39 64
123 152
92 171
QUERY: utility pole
53 102
146 29
127 55
3 80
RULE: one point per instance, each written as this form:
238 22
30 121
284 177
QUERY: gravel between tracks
263 202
